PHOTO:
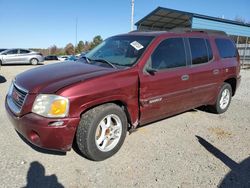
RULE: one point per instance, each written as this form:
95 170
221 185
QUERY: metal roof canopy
167 19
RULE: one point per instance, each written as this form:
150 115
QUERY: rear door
164 84
205 74
24 56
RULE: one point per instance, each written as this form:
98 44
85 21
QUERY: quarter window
169 54
226 48
199 51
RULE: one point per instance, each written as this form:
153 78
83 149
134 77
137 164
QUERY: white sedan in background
20 56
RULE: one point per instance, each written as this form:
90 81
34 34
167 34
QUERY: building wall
230 29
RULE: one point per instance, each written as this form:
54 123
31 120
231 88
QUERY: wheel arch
232 81
119 103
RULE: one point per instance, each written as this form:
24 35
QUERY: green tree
96 40
80 47
86 46
69 49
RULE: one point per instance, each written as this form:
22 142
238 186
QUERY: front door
11 57
164 84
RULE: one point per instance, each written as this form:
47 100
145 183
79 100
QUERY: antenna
132 15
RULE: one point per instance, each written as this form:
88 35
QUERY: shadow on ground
41 150
2 79
36 177
239 176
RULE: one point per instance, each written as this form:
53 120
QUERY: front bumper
37 130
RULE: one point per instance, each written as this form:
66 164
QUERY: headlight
51 106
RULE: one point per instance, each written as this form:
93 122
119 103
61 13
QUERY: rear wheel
34 61
101 131
223 99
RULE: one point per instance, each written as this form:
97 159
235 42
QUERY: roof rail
207 31
134 31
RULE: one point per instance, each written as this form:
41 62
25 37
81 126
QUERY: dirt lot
194 149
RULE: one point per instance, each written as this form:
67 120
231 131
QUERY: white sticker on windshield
136 45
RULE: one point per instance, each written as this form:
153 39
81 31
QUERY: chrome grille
18 96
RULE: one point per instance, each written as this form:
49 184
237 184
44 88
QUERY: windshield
120 50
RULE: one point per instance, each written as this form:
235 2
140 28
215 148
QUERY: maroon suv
126 81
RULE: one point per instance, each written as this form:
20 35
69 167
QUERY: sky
43 23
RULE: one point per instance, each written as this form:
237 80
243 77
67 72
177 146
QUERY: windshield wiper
123 65
104 61
87 59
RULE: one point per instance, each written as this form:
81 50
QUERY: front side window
121 51
169 54
226 48
11 52
199 50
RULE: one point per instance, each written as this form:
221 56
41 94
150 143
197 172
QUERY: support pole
132 15
237 42
76 35
244 56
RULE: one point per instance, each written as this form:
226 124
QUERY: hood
51 78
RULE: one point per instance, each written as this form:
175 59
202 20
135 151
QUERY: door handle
216 71
184 77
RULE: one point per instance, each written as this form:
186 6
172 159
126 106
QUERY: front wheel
101 131
223 100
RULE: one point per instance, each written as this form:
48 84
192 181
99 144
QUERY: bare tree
69 49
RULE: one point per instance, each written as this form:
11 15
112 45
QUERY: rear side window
226 48
24 51
169 54
200 50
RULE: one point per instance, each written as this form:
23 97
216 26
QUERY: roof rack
207 31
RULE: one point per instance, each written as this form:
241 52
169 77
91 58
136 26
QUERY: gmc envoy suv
127 81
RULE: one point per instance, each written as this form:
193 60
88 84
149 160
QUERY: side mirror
151 71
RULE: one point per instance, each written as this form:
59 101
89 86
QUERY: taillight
238 57
238 61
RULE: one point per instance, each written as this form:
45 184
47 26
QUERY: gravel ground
193 149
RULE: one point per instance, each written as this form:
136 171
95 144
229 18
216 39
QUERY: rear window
226 48
200 50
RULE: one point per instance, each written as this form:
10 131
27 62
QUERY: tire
223 100
93 135
34 61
